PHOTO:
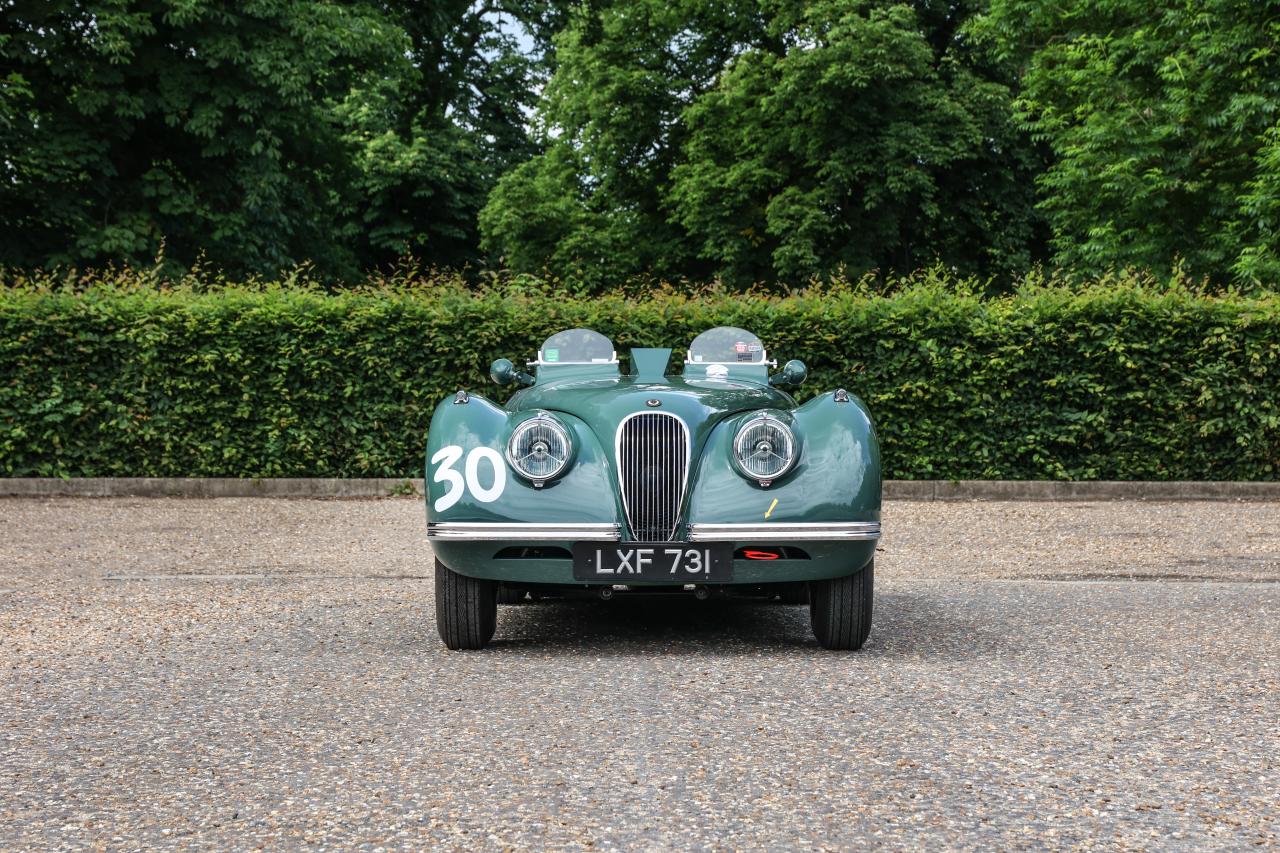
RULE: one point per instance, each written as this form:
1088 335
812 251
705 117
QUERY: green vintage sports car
713 482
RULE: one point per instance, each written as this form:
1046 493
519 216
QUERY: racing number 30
448 456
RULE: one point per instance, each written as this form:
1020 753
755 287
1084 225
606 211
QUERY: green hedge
1117 381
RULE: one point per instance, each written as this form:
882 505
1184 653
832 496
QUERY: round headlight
764 449
539 449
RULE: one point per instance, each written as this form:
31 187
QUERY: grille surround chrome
653 517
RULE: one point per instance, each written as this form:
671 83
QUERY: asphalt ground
239 673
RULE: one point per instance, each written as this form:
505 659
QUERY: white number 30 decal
447 457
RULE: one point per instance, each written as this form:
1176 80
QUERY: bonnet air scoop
650 365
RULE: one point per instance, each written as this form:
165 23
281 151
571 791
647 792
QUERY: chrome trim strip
524 531
783 532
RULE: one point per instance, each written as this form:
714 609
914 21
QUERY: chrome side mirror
503 372
792 376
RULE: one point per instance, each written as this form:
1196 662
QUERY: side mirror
503 372
792 376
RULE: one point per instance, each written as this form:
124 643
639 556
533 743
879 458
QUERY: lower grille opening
535 552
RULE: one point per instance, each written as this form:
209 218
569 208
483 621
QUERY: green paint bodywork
836 477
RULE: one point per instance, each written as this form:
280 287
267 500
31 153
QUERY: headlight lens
764 449
539 448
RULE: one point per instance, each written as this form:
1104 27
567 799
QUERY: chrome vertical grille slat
653 464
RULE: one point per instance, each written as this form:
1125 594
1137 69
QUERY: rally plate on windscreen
656 562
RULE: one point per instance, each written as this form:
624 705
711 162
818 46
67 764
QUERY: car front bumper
533 531
488 549
523 531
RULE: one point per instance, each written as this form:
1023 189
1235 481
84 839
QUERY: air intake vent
653 460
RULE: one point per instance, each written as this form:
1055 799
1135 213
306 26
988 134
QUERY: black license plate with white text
657 562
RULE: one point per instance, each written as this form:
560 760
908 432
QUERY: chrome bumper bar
533 531
783 532
523 531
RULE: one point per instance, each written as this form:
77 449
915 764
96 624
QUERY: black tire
466 609
840 609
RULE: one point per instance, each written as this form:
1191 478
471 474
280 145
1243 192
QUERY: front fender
468 479
836 478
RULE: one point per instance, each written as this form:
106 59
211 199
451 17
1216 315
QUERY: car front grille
653 461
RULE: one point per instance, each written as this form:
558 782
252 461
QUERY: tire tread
840 609
466 609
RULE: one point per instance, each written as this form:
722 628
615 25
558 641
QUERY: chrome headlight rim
541 420
744 433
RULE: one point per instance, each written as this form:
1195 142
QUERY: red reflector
760 555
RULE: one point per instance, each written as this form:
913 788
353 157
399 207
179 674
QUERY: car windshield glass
726 345
577 346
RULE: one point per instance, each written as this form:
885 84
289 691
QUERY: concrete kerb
1095 490
209 487
901 490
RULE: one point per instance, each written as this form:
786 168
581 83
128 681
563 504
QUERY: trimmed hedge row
1116 381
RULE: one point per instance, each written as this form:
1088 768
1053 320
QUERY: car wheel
840 609
466 609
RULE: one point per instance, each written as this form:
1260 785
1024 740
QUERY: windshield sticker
717 371
551 355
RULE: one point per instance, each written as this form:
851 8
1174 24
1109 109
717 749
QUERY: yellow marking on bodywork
768 512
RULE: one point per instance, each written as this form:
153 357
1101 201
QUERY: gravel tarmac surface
240 673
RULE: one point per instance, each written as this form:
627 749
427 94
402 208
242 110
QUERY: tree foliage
771 140
258 134
430 147
1163 124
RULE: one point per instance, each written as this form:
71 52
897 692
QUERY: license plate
669 562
